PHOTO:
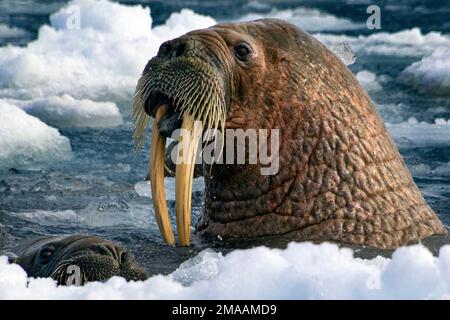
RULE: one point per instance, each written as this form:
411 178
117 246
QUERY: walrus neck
240 202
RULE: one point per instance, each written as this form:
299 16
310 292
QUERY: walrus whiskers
140 118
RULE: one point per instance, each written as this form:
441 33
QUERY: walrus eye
47 252
242 51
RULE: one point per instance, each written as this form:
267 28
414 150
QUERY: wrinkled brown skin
98 258
341 177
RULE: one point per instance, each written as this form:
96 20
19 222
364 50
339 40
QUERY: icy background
67 166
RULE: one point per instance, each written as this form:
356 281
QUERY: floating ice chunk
410 43
442 170
203 266
431 74
420 170
395 112
143 188
308 19
11 32
424 170
26 141
108 211
181 22
49 218
257 5
368 80
413 132
301 271
345 52
66 111
442 122
41 186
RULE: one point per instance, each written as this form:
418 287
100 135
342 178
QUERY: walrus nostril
172 49
180 49
123 257
115 252
165 48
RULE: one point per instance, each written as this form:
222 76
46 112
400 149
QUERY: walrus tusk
157 179
187 150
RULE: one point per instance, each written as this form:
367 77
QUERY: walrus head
76 259
340 175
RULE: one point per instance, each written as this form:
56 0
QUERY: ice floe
441 170
49 217
143 188
312 20
302 271
66 111
345 52
405 43
25 140
413 132
431 74
99 55
11 32
368 80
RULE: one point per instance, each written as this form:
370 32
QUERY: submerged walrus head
340 176
76 259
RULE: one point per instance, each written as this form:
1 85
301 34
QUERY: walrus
341 178
76 259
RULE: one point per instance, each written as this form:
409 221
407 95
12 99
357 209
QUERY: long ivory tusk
187 150
157 179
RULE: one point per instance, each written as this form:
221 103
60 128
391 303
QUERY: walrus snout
175 48
180 89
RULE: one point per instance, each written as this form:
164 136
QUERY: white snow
66 111
25 140
431 74
312 20
101 56
302 271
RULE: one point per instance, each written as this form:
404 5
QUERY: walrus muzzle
178 88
